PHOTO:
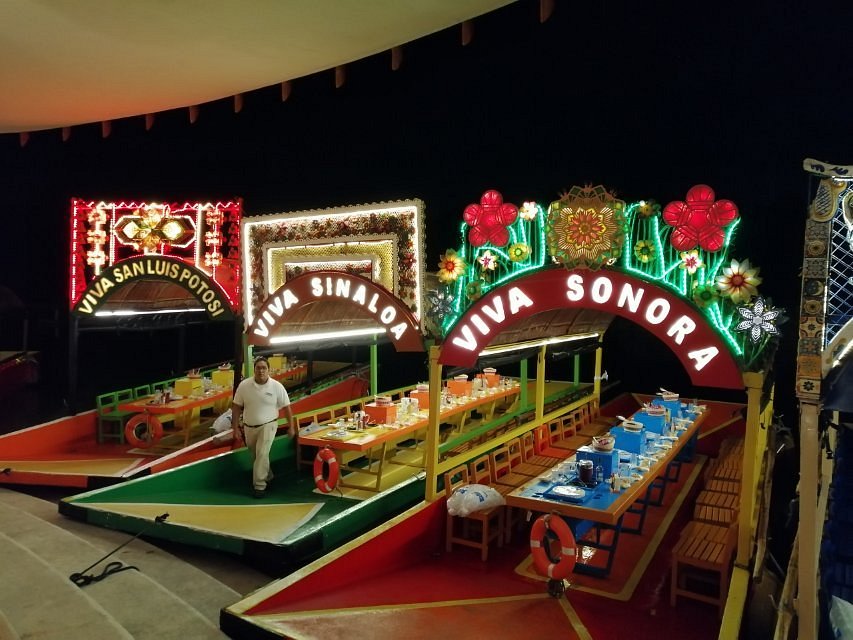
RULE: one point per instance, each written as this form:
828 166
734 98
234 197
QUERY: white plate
569 492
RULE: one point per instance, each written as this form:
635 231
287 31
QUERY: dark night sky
645 98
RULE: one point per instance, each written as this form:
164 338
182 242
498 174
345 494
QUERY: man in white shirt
256 403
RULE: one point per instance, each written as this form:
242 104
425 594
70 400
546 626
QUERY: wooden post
540 383
751 459
808 532
286 88
431 457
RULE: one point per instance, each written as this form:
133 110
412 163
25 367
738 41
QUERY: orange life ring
143 430
565 563
328 456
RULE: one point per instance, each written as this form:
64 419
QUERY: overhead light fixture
130 312
530 344
327 335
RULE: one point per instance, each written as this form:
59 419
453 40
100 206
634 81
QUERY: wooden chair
543 445
482 471
563 430
477 529
501 471
701 561
518 457
111 419
141 391
529 455
719 499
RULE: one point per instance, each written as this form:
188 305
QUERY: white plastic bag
222 423
473 497
841 618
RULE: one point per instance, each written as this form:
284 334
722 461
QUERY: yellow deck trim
262 522
92 467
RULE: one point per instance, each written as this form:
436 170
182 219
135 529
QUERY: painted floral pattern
699 220
585 228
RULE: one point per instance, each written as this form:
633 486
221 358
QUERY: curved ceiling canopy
67 62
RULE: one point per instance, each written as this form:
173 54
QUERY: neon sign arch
203 288
682 327
391 315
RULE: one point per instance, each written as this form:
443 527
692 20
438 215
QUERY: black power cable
81 579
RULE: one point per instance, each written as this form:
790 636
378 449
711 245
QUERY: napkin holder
460 387
655 424
421 397
607 460
381 413
631 441
278 362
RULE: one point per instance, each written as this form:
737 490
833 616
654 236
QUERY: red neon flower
700 220
489 219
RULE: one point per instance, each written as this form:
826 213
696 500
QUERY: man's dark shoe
259 493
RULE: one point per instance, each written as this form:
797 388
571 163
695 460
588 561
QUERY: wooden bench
718 499
714 515
701 561
723 486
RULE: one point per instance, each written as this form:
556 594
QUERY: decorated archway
141 266
207 292
679 325
389 316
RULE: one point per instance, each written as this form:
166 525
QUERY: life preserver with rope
143 430
326 455
562 566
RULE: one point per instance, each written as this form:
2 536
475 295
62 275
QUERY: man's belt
255 426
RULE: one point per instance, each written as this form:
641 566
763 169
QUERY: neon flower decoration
758 320
488 261
474 290
585 228
704 295
528 211
644 250
691 261
518 252
739 281
700 220
450 267
488 220
441 303
648 208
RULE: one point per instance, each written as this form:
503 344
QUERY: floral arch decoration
685 246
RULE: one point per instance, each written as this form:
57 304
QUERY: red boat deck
398 582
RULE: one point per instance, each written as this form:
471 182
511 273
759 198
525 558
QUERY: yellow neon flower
739 281
450 267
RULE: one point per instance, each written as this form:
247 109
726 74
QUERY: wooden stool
703 555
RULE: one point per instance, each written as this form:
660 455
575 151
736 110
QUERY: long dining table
182 407
373 441
601 507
